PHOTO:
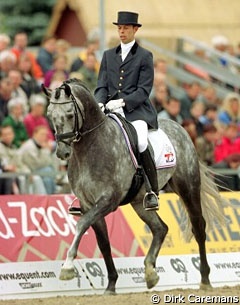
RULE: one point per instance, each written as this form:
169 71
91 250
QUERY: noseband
76 133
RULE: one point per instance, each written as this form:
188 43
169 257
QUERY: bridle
76 133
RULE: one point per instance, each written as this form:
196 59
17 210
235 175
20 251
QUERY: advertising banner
221 239
26 280
40 279
39 228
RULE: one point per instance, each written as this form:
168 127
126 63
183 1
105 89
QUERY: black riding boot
148 164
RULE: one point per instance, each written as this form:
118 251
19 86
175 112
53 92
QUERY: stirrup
153 207
75 211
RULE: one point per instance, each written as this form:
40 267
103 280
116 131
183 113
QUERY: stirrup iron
153 207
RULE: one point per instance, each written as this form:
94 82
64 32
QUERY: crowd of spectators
27 146
27 142
213 123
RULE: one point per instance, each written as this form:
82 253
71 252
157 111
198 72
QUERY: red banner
37 227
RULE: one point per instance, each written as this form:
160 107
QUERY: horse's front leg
98 211
68 271
100 229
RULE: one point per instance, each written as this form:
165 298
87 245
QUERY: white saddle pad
164 153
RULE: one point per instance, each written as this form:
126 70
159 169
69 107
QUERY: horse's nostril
67 155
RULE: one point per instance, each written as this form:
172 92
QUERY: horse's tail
212 203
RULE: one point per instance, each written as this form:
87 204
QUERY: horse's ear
46 91
67 89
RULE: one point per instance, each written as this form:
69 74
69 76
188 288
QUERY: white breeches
142 134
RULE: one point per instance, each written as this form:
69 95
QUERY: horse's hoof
109 292
67 274
151 279
206 286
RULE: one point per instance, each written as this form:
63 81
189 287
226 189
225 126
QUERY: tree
30 16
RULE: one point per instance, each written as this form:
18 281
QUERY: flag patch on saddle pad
164 153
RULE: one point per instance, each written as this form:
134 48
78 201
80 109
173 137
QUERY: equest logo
30 285
95 270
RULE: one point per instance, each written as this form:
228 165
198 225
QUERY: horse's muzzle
63 151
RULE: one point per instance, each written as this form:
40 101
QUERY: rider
124 83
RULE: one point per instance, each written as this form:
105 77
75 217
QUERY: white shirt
126 48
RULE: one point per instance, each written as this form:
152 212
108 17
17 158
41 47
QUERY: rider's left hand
115 104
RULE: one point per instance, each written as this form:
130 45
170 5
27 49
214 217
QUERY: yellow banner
225 239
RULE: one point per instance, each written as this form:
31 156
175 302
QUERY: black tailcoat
131 79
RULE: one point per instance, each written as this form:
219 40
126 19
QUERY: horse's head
68 113
67 117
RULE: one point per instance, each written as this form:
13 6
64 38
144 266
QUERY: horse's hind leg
100 229
191 198
159 230
198 227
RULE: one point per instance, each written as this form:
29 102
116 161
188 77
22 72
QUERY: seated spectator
229 181
8 62
159 79
205 144
160 66
63 47
196 111
16 79
230 110
171 111
59 65
210 114
11 163
87 72
190 127
6 89
36 154
4 42
192 91
36 116
208 95
92 47
220 43
228 144
58 78
15 119
20 47
46 53
160 97
29 84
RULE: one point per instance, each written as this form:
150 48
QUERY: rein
76 133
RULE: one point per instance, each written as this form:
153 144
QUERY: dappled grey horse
100 171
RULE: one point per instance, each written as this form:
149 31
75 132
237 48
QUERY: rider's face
126 33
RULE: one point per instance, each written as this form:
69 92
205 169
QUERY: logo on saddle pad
169 157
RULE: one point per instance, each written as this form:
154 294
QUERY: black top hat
127 18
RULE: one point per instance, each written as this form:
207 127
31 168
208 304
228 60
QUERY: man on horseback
124 83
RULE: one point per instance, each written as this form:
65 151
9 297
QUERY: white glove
102 107
115 104
120 111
